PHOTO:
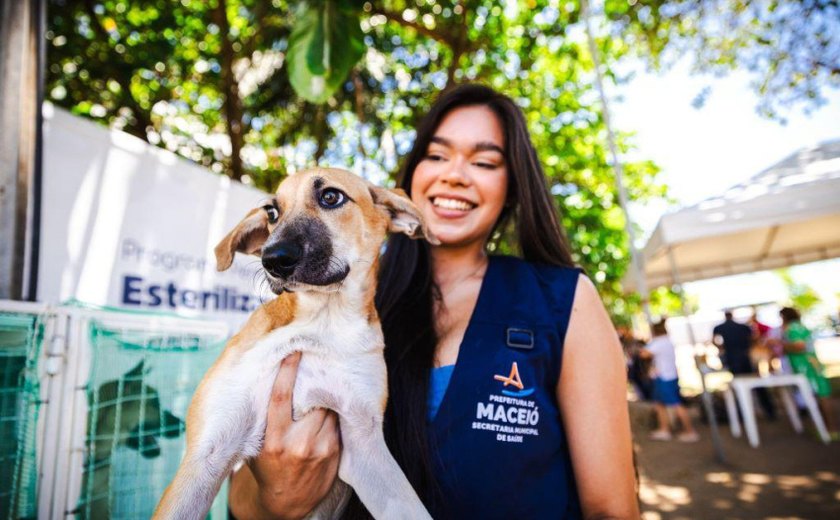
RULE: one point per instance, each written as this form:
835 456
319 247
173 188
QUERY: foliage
666 302
211 81
178 74
325 44
791 49
801 297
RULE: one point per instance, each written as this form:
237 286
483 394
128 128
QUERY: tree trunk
230 90
320 133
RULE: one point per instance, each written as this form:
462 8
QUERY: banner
130 225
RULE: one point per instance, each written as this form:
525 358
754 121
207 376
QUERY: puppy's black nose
281 260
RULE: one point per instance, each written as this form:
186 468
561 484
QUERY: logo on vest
510 416
515 380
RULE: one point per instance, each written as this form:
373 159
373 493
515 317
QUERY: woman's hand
299 459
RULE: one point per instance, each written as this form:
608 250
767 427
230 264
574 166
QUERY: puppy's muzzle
281 260
301 252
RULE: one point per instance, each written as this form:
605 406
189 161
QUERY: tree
170 73
801 296
215 82
791 49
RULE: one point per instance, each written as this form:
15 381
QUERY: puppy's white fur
342 369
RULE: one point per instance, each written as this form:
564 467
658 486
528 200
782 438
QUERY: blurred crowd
745 349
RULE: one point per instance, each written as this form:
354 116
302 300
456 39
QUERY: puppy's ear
247 237
403 215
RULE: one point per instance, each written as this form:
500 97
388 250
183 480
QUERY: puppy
319 239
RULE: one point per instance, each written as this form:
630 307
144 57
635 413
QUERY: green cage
138 390
20 341
93 404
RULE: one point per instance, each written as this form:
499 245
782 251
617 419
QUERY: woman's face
460 185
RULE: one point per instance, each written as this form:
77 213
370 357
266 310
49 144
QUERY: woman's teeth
452 204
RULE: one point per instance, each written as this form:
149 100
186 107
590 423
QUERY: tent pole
705 396
636 260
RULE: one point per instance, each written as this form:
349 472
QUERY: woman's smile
451 206
461 183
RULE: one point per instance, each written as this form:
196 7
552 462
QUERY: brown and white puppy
319 240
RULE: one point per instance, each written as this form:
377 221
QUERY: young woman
507 381
798 343
666 387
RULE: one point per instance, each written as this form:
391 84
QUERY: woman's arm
592 394
794 347
298 462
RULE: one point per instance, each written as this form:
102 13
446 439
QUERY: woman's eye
332 198
273 214
433 157
486 166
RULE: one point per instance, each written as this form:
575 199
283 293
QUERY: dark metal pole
21 62
39 31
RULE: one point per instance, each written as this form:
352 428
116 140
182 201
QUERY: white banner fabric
130 225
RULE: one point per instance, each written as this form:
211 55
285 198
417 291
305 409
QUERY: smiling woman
481 418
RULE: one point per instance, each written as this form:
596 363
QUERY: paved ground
788 476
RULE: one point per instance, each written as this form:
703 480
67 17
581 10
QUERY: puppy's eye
273 214
332 198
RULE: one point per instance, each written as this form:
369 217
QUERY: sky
702 151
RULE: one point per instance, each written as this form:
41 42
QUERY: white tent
788 214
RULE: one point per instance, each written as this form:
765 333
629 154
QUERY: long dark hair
788 314
406 292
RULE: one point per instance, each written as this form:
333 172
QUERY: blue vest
498 436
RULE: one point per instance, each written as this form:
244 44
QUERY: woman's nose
456 173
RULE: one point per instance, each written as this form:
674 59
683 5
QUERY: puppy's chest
347 386
342 368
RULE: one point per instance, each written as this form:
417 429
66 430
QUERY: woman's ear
403 216
247 237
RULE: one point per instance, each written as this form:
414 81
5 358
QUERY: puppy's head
320 225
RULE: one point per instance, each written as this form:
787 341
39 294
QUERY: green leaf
325 44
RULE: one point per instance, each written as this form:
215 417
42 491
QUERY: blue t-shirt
438 381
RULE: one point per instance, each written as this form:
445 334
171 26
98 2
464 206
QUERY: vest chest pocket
520 338
524 360
506 380
518 408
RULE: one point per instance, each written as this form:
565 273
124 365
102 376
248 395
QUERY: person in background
799 348
638 368
735 340
779 362
759 329
761 348
834 322
666 388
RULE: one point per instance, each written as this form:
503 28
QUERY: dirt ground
787 476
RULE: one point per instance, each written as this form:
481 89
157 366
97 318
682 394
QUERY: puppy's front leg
368 466
221 427
196 484
225 424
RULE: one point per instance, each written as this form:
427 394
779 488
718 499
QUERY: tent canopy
788 214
